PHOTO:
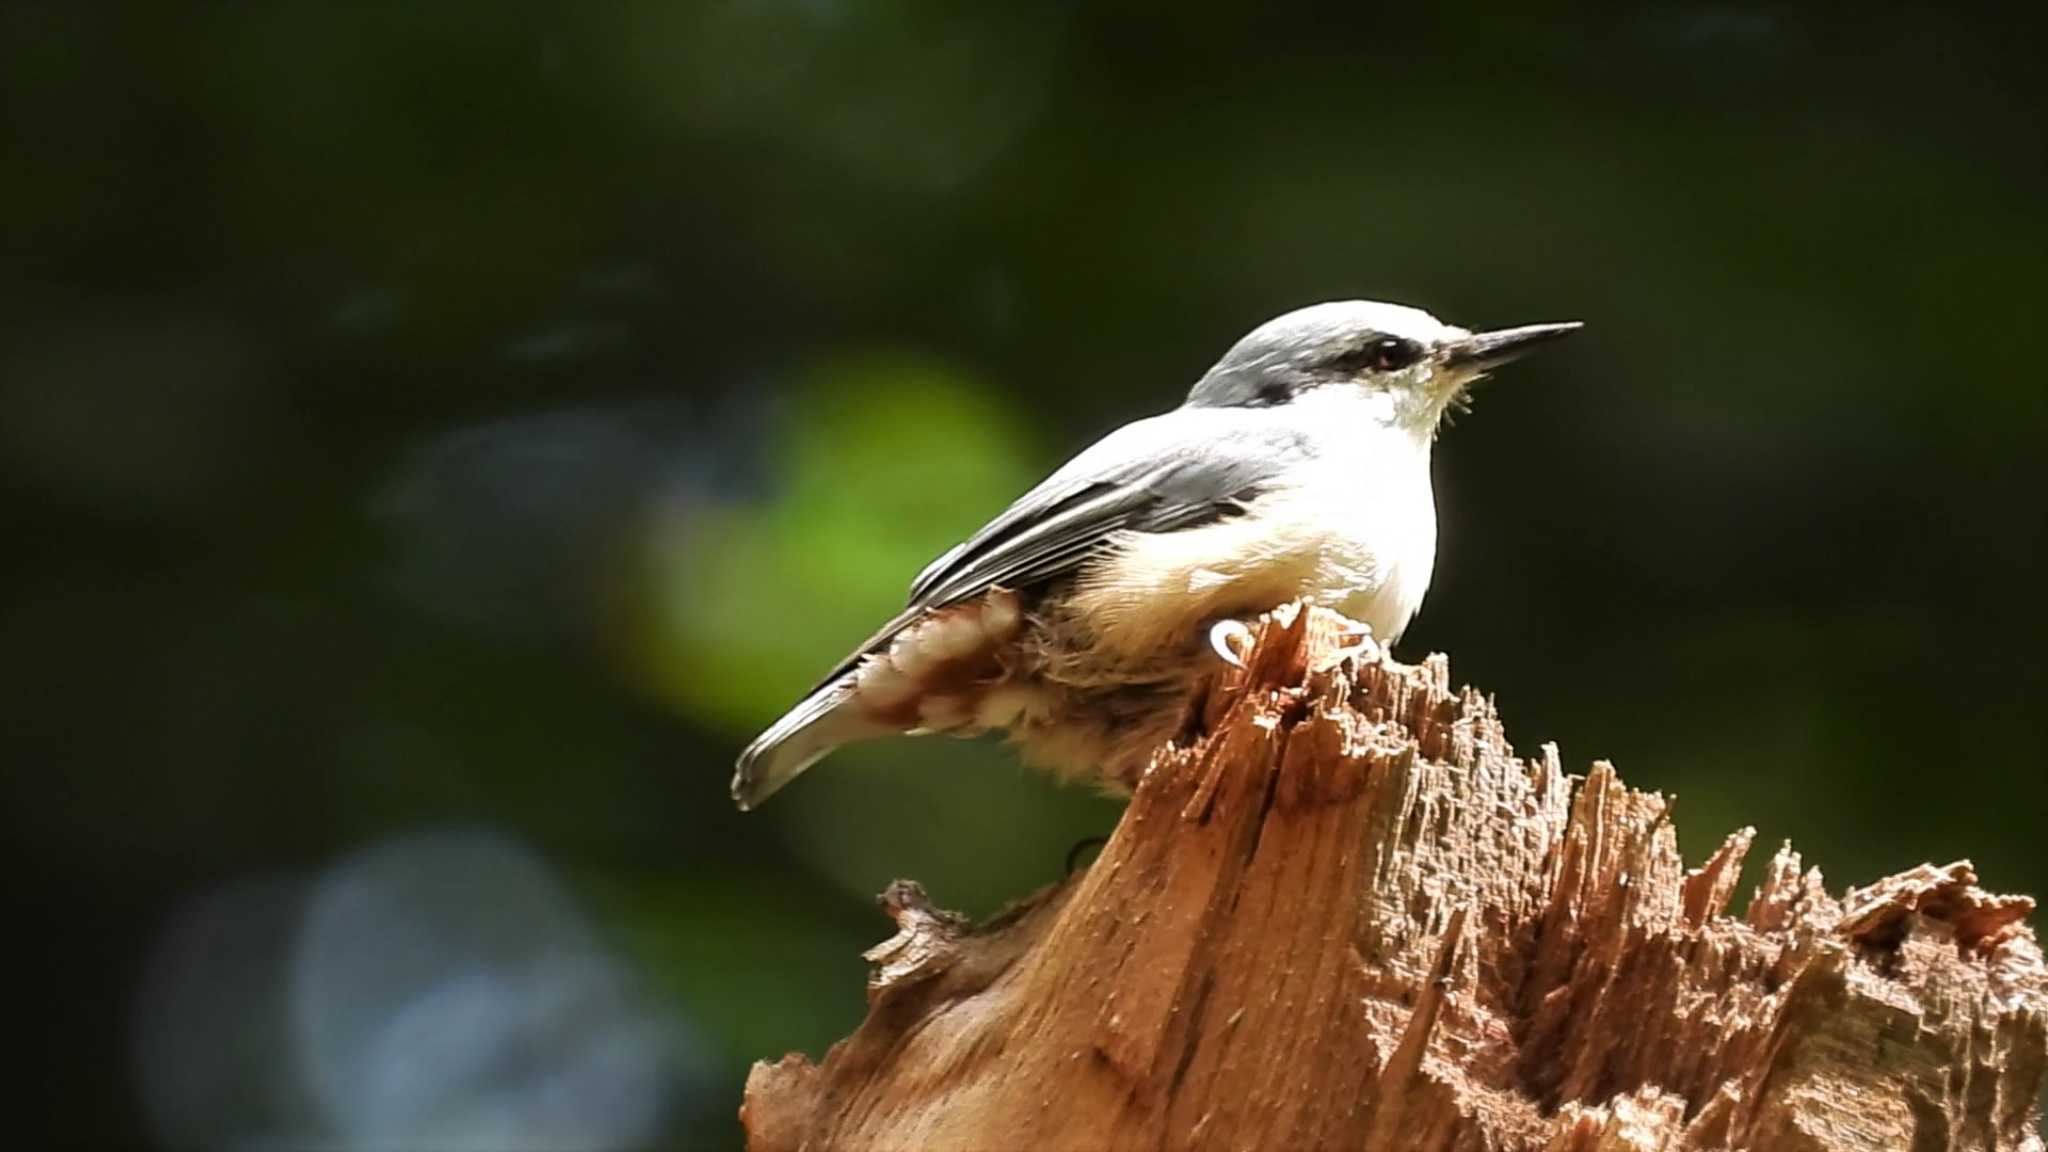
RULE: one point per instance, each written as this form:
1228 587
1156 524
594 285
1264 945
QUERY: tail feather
804 735
810 731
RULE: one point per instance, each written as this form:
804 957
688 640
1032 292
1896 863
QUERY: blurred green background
445 432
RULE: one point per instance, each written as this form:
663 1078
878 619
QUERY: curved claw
1227 637
1364 649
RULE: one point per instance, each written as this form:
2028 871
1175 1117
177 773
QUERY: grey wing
1179 470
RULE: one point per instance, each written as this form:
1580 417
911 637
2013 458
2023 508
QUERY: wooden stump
1350 917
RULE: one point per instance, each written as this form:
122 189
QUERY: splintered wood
1349 917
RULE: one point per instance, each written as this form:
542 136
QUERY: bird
1082 618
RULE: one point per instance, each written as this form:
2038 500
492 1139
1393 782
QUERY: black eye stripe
1381 354
1272 392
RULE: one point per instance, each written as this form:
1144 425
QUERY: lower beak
1483 350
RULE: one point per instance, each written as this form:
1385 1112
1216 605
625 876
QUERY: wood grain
1349 916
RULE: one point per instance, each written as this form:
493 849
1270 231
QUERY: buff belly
1091 675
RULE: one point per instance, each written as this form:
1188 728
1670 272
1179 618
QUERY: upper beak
1483 350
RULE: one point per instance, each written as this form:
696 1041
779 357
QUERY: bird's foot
1360 646
1231 639
1081 849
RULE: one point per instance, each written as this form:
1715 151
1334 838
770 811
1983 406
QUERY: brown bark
1350 917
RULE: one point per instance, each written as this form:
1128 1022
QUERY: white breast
1358 534
1367 543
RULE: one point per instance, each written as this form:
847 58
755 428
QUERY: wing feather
1180 470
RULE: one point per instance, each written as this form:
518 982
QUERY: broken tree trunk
1350 917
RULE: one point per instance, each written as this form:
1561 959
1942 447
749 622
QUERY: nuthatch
1080 619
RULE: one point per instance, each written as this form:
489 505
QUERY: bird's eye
1387 354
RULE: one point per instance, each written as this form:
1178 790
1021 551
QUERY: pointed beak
1484 350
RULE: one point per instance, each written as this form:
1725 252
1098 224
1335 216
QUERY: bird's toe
1231 640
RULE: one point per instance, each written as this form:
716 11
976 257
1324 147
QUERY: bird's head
1401 365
